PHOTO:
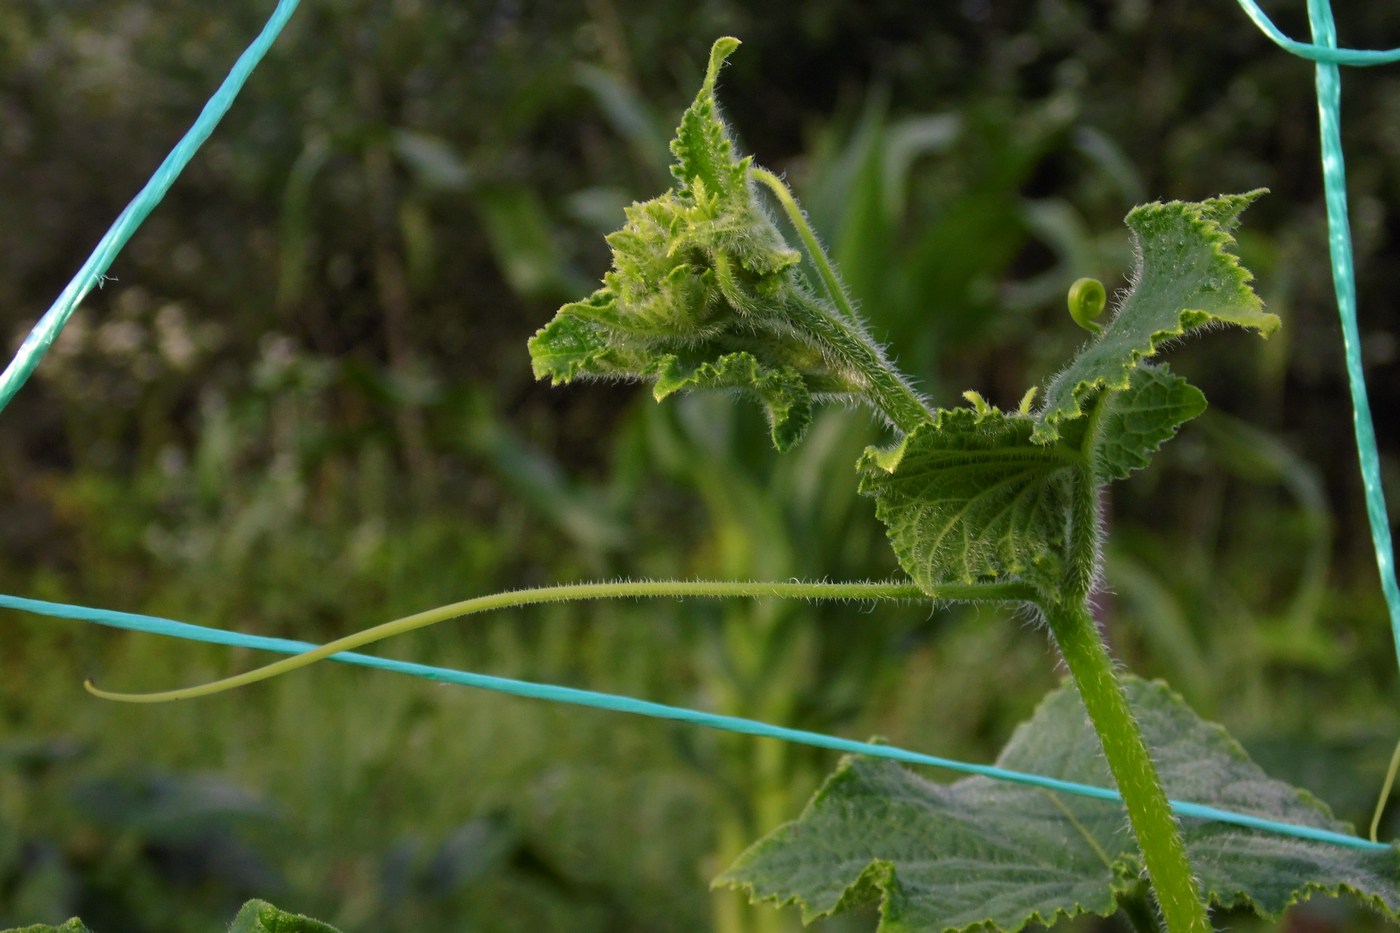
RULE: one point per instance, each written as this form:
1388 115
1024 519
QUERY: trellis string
1324 52
93 272
623 704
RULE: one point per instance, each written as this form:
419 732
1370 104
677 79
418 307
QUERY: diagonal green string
93 272
624 704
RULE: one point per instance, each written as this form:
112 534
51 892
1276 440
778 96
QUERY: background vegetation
304 405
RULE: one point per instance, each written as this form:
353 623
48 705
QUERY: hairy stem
883 385
578 592
1149 814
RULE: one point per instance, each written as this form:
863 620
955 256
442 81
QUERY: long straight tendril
622 704
835 290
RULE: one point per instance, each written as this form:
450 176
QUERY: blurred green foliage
304 405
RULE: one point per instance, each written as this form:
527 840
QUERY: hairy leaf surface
971 498
1187 277
981 852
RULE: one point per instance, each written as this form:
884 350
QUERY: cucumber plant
980 505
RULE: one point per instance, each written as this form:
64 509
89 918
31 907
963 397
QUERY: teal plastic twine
1328 57
1323 52
93 272
623 704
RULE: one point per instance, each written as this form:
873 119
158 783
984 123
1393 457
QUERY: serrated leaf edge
1214 218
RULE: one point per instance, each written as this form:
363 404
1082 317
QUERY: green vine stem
579 592
1149 814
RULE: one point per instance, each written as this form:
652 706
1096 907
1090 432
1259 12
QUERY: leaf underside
980 853
1141 418
972 496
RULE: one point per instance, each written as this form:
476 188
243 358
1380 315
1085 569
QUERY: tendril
578 592
1087 299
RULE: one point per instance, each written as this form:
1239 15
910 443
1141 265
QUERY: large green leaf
70 926
981 853
971 498
1187 277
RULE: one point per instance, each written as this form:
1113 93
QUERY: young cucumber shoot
705 293
980 505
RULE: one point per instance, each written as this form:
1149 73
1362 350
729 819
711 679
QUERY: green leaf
262 917
970 498
979 852
705 293
1187 277
1141 418
73 925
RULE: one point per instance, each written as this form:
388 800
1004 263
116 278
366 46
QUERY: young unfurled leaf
971 498
981 854
1186 277
1141 419
982 495
704 151
705 293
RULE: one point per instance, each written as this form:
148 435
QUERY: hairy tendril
581 592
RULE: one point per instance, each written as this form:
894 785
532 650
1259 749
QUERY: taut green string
1328 57
93 272
623 704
